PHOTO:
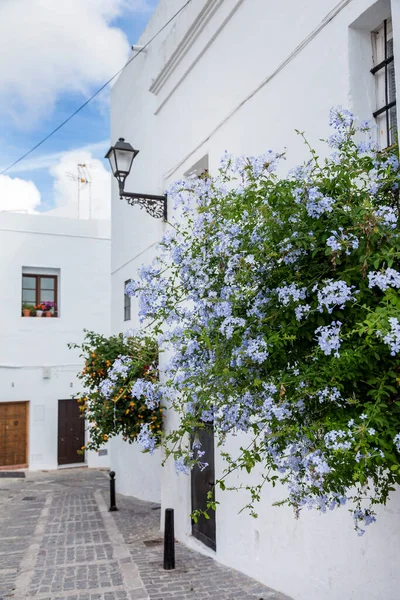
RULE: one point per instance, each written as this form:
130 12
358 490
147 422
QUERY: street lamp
121 157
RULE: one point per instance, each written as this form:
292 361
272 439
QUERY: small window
383 70
39 290
127 303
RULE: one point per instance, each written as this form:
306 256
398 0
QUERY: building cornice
187 42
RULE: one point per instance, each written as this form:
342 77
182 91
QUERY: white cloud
94 197
49 47
45 161
18 195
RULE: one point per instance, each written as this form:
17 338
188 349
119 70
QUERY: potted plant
26 310
48 308
33 311
39 309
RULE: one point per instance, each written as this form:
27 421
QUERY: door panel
202 482
13 433
71 432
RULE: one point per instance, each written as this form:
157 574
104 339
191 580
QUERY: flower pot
39 313
48 313
26 312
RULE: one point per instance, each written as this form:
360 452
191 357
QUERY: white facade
242 75
36 365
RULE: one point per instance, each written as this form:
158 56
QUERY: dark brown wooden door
13 434
71 432
202 482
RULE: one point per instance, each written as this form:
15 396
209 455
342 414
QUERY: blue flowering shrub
279 299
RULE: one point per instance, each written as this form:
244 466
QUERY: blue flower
384 279
146 439
329 338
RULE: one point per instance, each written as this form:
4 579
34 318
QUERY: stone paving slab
71 555
82 577
121 595
58 541
74 539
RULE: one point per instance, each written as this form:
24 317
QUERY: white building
66 261
242 75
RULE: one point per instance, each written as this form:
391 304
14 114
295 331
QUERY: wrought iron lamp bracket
154 205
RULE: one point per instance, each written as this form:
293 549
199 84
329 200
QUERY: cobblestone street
59 542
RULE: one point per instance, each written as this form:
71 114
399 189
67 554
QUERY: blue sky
28 114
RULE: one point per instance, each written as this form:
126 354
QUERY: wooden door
71 432
13 434
202 482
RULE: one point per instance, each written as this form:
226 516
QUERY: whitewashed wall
138 474
81 251
242 75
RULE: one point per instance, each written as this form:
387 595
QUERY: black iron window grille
386 114
127 303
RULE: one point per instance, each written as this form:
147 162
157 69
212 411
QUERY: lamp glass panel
124 160
113 163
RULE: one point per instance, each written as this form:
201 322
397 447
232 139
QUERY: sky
53 56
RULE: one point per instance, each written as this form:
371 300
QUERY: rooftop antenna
82 179
84 170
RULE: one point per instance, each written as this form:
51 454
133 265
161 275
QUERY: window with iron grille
383 70
127 303
38 289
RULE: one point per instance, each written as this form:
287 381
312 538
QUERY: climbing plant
278 298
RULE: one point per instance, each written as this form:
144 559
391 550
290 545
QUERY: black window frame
384 65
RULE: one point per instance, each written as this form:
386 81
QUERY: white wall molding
328 18
187 42
54 233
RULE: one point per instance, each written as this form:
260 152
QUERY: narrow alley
58 541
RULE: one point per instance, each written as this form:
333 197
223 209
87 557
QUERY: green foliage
265 349
110 410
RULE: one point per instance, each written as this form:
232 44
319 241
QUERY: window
383 71
37 289
199 168
127 303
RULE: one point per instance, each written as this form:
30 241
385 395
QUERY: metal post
169 540
113 506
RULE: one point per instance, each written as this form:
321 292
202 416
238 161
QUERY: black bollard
113 506
169 540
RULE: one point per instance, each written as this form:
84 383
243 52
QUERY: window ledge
44 318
